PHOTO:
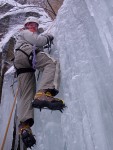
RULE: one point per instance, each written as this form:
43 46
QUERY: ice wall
83 44
5 110
84 40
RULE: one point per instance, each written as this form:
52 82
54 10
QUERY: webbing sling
31 58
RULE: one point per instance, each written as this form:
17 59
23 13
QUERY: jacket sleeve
34 38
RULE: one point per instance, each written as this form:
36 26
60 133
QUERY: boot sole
53 105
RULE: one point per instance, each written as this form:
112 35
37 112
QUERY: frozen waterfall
84 35
83 44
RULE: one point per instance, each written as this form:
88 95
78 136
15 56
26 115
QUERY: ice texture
84 38
5 112
83 45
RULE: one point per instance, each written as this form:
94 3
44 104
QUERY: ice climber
29 56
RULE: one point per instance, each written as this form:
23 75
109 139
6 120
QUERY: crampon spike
61 111
56 104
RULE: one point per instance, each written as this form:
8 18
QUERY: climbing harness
32 56
24 70
32 61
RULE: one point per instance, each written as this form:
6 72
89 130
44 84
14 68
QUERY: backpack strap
30 56
25 70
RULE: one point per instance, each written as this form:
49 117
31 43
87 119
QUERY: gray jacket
26 39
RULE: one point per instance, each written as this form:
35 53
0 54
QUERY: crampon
56 104
27 138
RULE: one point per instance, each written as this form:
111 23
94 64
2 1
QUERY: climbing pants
50 69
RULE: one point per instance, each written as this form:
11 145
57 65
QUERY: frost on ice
84 46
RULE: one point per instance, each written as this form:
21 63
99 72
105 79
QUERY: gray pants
27 83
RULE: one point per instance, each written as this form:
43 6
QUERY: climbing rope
9 120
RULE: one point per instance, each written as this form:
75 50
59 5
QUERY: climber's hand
50 37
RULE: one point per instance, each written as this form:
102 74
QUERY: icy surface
84 45
5 109
84 38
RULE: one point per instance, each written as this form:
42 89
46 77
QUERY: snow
11 2
24 8
83 44
10 71
9 35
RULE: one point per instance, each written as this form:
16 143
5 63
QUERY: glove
49 37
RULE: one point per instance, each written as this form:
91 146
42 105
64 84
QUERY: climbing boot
26 135
44 99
